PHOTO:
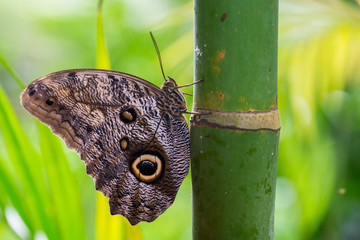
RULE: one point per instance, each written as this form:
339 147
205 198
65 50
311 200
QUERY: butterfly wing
136 151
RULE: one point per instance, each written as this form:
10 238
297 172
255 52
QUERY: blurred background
45 192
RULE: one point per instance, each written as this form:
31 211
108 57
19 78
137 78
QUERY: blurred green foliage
318 193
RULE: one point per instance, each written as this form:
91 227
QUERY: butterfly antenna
158 53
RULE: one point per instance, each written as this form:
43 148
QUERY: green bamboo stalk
235 142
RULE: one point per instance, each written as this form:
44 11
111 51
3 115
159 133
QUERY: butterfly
132 135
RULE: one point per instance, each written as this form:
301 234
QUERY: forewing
83 99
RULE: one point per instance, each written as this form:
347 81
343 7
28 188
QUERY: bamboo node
246 121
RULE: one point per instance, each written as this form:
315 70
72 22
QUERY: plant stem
235 147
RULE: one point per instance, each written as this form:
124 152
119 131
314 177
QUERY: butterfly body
131 134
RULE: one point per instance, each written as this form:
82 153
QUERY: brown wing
83 99
137 153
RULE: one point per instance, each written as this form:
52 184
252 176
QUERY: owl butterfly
131 134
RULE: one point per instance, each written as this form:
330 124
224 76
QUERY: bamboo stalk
235 141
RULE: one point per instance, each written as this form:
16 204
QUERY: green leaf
102 56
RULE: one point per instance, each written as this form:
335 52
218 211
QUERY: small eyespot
128 115
32 92
124 143
50 101
147 168
89 128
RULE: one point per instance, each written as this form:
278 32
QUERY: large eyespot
128 115
147 167
50 101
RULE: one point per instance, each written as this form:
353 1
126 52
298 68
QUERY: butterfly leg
190 84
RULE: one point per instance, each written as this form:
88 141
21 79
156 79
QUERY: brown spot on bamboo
223 17
221 95
220 55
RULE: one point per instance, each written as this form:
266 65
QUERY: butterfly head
174 93
170 83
